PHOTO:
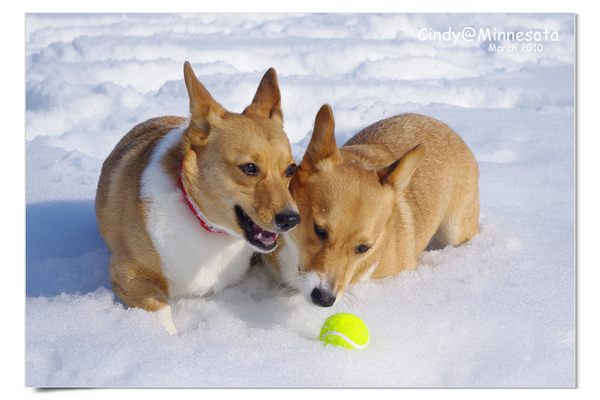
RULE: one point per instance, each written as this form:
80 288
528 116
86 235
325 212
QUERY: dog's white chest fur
289 261
194 260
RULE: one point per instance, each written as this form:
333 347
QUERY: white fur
163 317
309 281
368 274
289 262
194 261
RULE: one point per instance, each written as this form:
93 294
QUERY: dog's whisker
351 300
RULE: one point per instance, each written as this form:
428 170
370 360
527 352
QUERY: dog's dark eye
290 171
362 249
321 233
249 169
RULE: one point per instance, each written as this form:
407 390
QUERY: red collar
193 206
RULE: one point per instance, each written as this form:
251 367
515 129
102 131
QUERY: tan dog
371 207
184 203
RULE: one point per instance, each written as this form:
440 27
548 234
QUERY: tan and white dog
371 207
183 204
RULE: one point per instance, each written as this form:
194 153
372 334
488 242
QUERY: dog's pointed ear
322 143
267 100
204 109
398 174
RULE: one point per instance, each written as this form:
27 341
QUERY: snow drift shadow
64 250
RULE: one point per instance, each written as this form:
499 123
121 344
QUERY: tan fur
391 188
215 144
135 267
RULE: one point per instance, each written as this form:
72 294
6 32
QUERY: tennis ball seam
347 339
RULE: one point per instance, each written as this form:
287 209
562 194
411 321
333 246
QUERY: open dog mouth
259 238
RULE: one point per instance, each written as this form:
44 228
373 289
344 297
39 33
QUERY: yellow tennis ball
346 330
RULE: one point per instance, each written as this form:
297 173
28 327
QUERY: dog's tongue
264 236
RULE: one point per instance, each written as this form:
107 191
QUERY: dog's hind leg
164 317
461 222
143 291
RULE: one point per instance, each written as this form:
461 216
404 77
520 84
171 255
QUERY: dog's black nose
322 296
287 220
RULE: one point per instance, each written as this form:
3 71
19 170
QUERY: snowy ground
498 311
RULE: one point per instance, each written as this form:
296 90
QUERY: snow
498 311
